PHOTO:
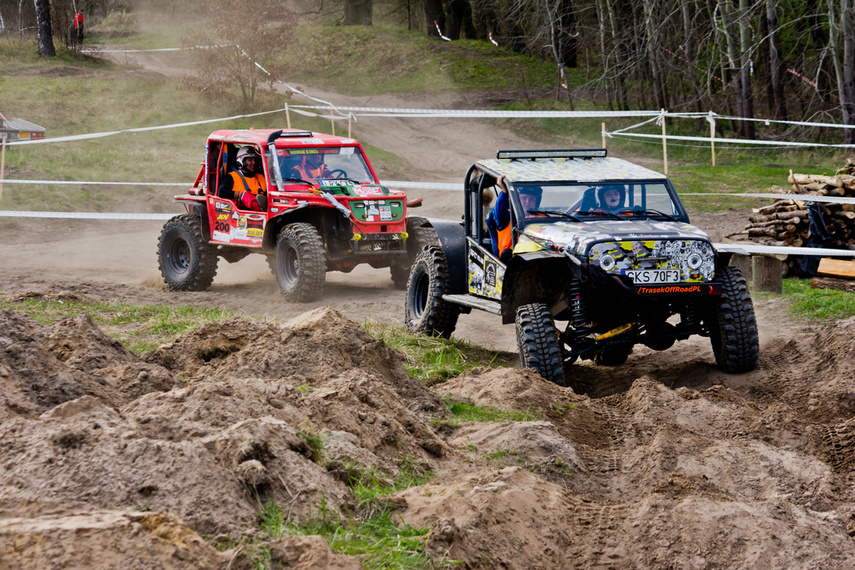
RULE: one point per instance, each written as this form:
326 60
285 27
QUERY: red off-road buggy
308 228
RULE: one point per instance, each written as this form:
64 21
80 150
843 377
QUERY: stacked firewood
786 222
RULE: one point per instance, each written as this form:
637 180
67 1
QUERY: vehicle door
484 270
229 223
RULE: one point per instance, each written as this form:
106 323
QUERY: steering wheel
337 173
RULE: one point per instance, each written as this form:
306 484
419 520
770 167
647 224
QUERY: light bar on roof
566 153
296 134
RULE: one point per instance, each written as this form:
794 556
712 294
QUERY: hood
578 236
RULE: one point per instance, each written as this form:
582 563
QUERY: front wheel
537 339
185 259
733 326
300 263
425 310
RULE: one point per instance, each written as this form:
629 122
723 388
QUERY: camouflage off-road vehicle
583 278
308 227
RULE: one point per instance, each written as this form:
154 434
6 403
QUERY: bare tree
842 39
776 63
240 37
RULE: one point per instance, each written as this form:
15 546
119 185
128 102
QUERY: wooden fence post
603 131
2 162
664 143
768 274
287 116
712 137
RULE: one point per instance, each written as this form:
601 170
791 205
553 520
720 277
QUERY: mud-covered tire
537 339
422 235
425 311
733 326
185 259
613 355
300 263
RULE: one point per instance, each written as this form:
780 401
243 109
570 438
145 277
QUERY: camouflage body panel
621 246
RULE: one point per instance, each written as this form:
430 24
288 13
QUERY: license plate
647 276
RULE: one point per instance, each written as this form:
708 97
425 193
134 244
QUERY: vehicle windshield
324 163
598 201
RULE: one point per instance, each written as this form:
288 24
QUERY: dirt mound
44 366
250 423
47 536
652 463
319 371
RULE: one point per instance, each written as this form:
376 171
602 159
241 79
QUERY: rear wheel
733 326
537 339
425 310
421 235
185 259
300 263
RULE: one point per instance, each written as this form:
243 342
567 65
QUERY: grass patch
815 305
433 360
138 328
468 412
373 534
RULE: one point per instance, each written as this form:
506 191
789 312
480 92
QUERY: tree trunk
45 33
689 45
358 12
459 11
730 33
847 14
568 50
434 16
776 64
651 29
745 61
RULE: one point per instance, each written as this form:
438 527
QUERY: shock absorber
579 313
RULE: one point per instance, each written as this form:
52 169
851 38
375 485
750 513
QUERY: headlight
607 262
695 260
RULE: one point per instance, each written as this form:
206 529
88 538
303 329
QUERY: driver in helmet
246 185
311 167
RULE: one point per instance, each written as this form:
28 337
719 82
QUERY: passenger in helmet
311 167
246 185
611 198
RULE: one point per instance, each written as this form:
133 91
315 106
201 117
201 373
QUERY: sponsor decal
368 190
222 206
490 272
700 289
254 227
222 216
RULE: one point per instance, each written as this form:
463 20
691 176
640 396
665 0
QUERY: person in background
77 29
499 219
246 185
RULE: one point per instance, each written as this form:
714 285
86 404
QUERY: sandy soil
108 459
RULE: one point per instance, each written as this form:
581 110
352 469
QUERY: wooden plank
836 268
829 283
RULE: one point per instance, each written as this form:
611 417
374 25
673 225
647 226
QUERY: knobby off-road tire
421 236
613 355
733 326
425 311
300 263
537 339
185 259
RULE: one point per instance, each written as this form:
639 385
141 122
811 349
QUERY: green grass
373 533
815 305
433 360
468 412
138 328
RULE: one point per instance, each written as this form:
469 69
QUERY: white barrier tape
745 249
726 141
141 129
90 183
424 185
477 113
85 215
741 249
803 198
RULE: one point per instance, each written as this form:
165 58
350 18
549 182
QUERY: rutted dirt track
112 460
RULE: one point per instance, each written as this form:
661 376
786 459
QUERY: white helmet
246 152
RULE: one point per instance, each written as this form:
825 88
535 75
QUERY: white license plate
647 276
